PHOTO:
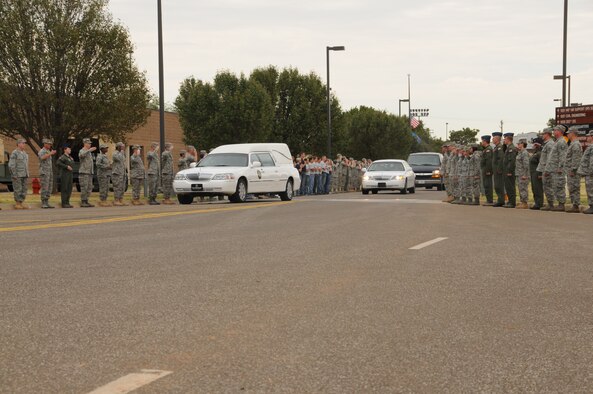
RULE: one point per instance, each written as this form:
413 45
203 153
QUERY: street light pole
329 115
564 53
447 131
409 101
161 78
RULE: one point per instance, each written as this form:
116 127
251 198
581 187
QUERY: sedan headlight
398 177
180 177
367 178
223 177
436 174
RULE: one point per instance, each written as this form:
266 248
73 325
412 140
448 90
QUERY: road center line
131 382
115 219
428 243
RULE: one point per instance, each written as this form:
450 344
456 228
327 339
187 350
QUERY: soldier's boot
44 204
588 211
535 207
153 202
24 206
118 203
67 206
559 208
18 205
573 209
123 203
548 207
86 204
136 202
522 205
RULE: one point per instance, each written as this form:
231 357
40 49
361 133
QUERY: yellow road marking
136 217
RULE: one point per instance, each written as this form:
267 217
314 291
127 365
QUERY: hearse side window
265 159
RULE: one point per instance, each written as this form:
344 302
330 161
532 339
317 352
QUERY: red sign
583 114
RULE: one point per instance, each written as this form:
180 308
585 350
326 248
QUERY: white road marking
131 382
425 244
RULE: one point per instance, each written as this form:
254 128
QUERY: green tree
230 110
551 122
66 72
376 134
464 136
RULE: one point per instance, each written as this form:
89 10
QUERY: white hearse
238 170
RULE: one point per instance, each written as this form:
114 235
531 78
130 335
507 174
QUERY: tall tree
66 71
230 110
464 136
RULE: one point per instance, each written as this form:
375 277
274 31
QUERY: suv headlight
436 174
223 177
180 177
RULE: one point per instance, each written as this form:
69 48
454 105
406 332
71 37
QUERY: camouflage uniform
573 160
136 175
444 174
586 169
19 170
522 174
454 164
463 178
103 174
167 173
153 173
182 162
46 175
555 167
474 176
118 174
546 178
85 174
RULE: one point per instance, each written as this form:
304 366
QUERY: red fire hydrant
36 185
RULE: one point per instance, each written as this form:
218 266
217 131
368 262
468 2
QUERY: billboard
579 115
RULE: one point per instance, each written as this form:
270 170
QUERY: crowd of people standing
499 166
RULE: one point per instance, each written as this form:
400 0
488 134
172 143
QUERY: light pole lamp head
336 48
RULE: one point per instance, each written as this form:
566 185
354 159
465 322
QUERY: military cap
103 146
119 144
182 151
21 141
168 145
47 141
590 133
523 140
486 138
573 129
190 147
154 144
497 134
86 141
509 135
548 130
537 140
136 147
560 128
474 146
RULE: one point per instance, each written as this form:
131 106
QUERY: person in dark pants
486 168
497 168
537 185
509 162
65 164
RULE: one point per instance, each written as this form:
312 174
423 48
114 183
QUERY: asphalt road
320 295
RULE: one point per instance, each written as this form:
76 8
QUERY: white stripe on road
425 244
131 382
378 200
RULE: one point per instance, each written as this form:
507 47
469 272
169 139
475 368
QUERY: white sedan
388 175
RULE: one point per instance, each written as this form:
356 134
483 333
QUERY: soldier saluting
85 173
509 163
46 171
548 186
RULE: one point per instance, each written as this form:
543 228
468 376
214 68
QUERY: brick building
142 136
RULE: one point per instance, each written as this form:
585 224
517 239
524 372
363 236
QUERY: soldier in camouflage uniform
18 164
571 165
167 173
586 169
510 157
85 172
543 162
136 175
537 186
443 170
118 174
555 168
522 173
103 175
182 162
152 157
46 172
474 175
453 161
463 170
456 174
486 170
497 168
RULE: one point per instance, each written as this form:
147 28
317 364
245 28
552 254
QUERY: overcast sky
473 63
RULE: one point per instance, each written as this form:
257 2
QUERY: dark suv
427 167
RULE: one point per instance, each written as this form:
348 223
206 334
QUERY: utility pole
501 126
409 101
564 53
